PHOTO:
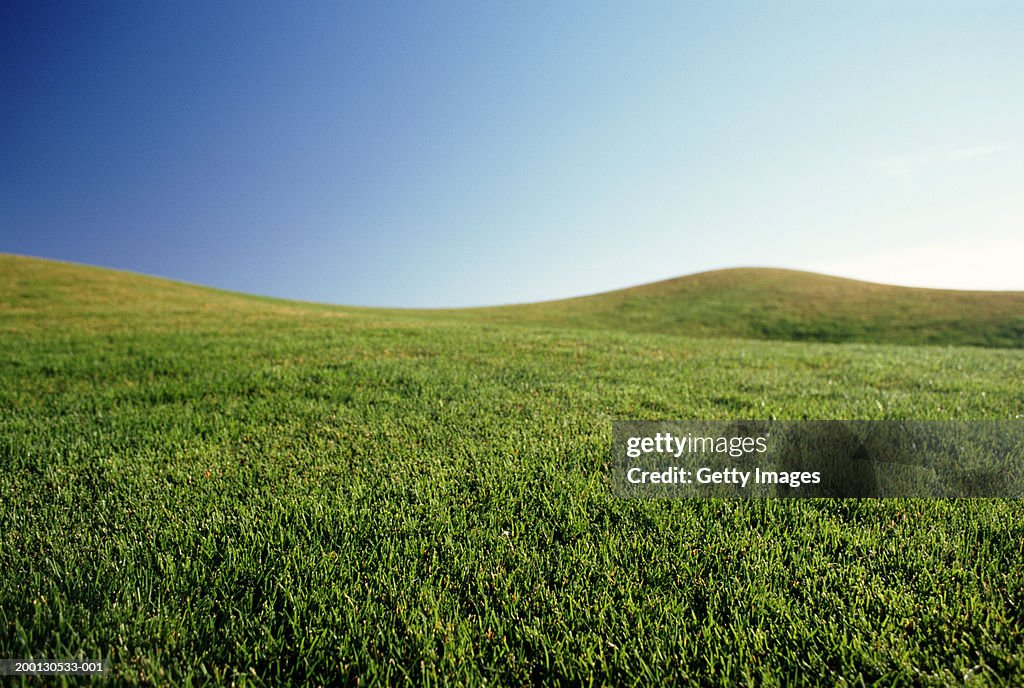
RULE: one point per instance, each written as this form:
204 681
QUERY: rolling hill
748 303
788 305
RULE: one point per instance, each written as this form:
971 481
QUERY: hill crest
755 303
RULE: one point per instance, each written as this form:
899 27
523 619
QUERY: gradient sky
446 154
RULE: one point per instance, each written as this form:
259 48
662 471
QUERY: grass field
207 487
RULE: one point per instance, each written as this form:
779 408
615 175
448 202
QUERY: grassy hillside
44 295
749 303
788 305
211 488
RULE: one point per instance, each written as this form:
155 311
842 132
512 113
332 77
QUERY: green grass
786 305
207 487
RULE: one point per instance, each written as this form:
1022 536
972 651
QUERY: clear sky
450 153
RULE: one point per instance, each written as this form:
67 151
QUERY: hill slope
750 303
38 294
761 303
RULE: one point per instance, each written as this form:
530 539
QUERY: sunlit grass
208 487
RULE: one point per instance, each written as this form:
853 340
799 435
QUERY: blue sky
447 154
